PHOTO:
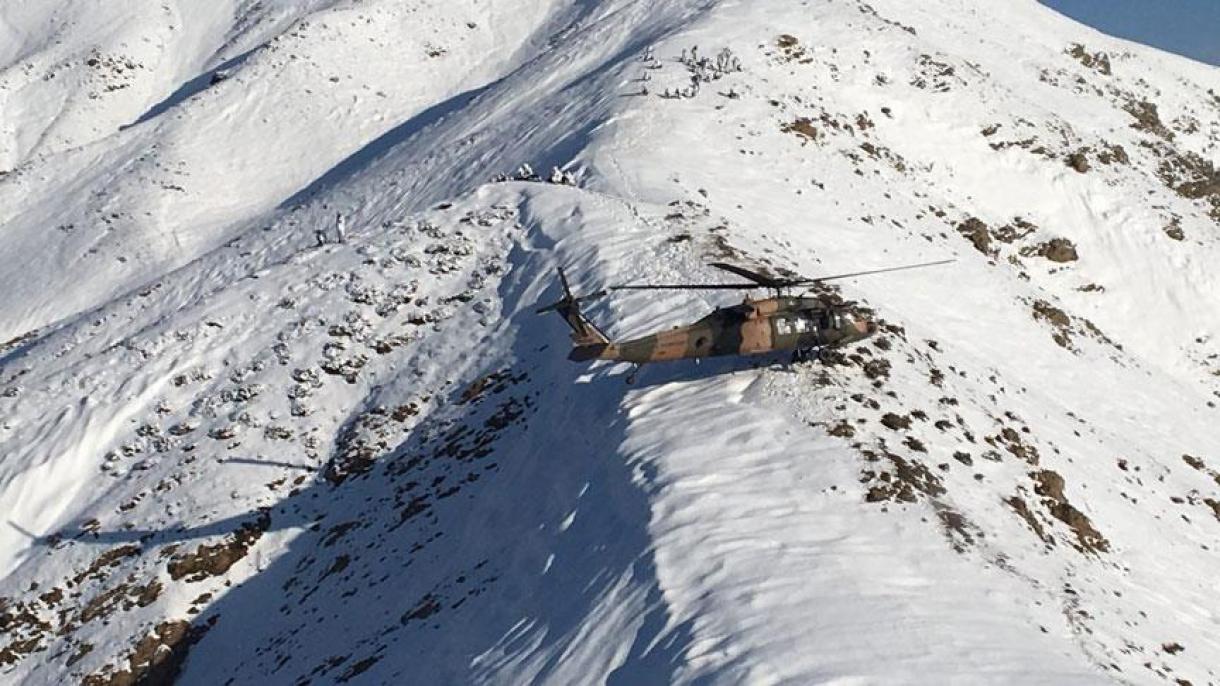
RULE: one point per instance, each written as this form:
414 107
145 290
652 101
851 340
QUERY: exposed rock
425 608
126 596
1058 319
1113 154
1202 188
1194 462
357 668
214 560
156 659
1214 505
1059 250
1018 505
1147 118
1189 175
1174 231
18 649
1097 61
1014 231
1078 161
1199 464
907 480
1050 487
110 558
494 383
842 430
81 651
977 232
1013 443
877 369
960 531
277 433
895 422
803 127
52 597
1052 314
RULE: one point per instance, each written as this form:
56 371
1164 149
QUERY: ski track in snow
275 461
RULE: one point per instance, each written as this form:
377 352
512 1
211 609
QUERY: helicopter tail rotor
584 332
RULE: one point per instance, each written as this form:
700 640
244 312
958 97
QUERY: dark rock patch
1174 231
213 560
802 127
156 659
110 558
979 235
1058 319
1097 61
425 608
1058 250
1147 119
1018 505
842 430
1079 161
903 482
895 421
1050 487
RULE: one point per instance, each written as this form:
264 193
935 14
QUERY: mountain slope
247 457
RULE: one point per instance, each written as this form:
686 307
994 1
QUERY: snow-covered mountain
234 449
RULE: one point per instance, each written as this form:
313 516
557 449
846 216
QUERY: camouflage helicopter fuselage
753 327
802 324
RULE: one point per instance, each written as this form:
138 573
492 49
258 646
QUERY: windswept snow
234 449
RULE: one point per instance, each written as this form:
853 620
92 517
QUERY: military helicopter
806 324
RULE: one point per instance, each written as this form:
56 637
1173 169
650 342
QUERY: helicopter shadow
516 563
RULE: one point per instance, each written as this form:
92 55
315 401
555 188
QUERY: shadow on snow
545 555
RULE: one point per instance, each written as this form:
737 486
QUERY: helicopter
806 324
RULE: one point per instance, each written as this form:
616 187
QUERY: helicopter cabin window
785 326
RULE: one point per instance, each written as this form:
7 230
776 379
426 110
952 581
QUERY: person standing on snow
340 227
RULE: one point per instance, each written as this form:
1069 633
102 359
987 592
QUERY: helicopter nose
865 328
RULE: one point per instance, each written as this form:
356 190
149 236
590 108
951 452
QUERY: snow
438 495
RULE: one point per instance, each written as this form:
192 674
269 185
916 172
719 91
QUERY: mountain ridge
286 460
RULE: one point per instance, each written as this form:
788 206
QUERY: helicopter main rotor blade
686 286
760 279
871 271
